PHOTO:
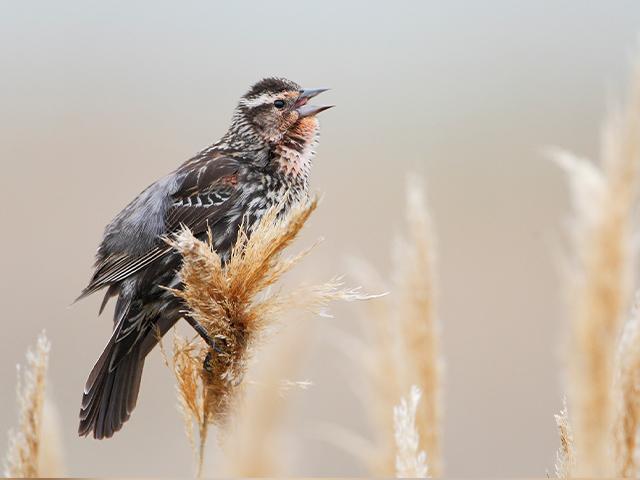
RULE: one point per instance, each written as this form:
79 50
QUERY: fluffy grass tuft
410 462
565 457
626 421
25 442
415 280
236 306
404 339
601 282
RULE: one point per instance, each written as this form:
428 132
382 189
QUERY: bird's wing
204 194
200 200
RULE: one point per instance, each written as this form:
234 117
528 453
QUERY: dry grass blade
232 303
25 442
600 281
410 462
565 457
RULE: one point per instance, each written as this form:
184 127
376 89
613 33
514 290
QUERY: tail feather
110 394
111 391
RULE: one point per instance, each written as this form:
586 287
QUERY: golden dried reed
405 338
601 281
233 304
26 441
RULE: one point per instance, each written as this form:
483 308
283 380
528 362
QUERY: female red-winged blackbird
263 160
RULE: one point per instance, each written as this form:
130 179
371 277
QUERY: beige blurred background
98 99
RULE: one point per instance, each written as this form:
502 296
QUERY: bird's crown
271 86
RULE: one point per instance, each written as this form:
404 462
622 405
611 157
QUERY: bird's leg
200 330
213 343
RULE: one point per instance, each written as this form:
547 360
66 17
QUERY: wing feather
205 191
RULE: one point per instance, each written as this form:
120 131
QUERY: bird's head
275 108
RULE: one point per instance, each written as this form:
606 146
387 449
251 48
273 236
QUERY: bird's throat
294 153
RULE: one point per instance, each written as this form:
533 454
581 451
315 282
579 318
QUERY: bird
263 160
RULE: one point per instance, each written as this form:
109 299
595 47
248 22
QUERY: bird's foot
217 344
206 365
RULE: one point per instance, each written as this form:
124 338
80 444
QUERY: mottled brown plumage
263 160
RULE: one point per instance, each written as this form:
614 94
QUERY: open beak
305 110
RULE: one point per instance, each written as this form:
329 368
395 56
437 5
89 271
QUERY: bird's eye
279 104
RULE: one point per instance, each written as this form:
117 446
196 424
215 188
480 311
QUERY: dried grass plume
236 305
600 279
565 456
404 344
25 442
626 420
410 462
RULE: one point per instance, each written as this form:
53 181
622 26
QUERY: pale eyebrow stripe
259 100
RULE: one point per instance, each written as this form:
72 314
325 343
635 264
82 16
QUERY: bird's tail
111 391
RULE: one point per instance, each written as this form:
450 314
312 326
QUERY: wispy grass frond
382 364
410 461
236 307
404 336
417 313
25 442
627 390
51 462
186 368
601 280
565 457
